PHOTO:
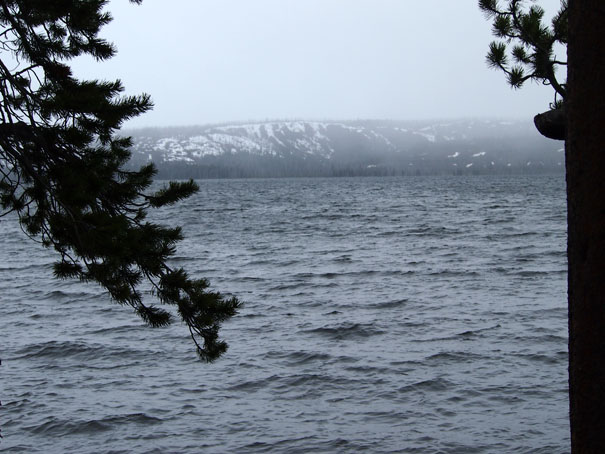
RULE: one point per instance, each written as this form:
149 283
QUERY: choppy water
404 315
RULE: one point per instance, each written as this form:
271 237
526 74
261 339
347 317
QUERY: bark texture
585 162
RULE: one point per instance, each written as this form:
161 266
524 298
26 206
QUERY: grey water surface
389 315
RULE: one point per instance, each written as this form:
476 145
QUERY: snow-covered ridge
277 138
346 144
271 138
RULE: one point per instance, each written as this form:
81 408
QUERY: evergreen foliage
526 46
63 168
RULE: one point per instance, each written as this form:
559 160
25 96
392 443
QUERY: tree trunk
585 163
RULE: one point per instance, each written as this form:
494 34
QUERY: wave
557 358
60 427
346 331
464 335
79 350
438 231
298 285
358 273
299 358
454 357
434 384
293 445
390 304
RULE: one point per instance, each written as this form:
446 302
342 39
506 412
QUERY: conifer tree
578 119
525 52
63 169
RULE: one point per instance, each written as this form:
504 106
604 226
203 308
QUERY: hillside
312 148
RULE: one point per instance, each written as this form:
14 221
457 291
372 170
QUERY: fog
215 61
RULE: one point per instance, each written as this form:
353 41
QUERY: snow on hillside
376 145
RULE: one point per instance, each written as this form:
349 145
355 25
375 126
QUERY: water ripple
416 315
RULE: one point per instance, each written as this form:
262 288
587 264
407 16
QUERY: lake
382 315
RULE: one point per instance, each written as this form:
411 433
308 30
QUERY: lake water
393 315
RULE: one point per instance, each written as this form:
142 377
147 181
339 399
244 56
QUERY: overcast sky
210 61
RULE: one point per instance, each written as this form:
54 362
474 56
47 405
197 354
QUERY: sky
217 61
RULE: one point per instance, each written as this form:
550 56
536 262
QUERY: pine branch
67 182
527 31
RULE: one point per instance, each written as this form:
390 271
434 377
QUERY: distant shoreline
297 148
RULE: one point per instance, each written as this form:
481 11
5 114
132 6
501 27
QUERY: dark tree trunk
585 162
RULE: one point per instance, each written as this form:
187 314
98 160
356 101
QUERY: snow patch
429 137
